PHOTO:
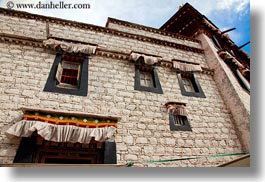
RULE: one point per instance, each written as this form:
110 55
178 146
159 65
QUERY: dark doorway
35 149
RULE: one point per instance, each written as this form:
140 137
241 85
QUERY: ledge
101 50
175 103
73 113
63 165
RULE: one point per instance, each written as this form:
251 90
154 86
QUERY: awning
186 67
176 109
60 133
62 128
70 47
149 60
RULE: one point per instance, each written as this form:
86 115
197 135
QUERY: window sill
67 86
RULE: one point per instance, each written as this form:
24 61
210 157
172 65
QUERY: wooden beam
231 29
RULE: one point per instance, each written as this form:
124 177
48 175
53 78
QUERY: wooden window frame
198 92
147 76
59 75
156 83
173 127
52 83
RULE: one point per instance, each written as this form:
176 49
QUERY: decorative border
10 38
99 52
86 122
150 29
72 113
99 29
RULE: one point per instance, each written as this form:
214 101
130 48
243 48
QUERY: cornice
169 64
150 29
9 38
99 29
21 40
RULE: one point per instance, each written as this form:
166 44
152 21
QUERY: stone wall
236 98
22 26
143 132
142 31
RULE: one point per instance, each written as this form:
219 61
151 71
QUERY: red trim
74 123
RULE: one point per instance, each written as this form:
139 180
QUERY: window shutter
59 72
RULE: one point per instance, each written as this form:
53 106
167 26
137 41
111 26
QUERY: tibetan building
124 94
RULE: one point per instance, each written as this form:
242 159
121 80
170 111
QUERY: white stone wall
143 132
153 35
118 43
21 26
236 98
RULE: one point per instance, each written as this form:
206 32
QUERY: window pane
178 120
143 82
69 75
146 79
188 85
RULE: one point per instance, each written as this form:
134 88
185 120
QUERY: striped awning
179 110
149 60
70 47
61 128
186 67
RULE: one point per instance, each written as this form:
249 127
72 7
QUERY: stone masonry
143 132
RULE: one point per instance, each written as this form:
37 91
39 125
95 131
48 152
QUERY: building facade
74 93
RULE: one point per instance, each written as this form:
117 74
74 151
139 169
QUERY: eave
189 22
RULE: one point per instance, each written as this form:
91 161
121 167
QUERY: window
189 86
178 120
178 116
146 79
177 123
68 75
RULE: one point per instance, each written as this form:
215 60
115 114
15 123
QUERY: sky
225 14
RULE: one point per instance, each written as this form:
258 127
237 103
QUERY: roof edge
172 19
149 29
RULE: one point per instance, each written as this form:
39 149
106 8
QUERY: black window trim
137 82
198 90
50 85
174 127
216 43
